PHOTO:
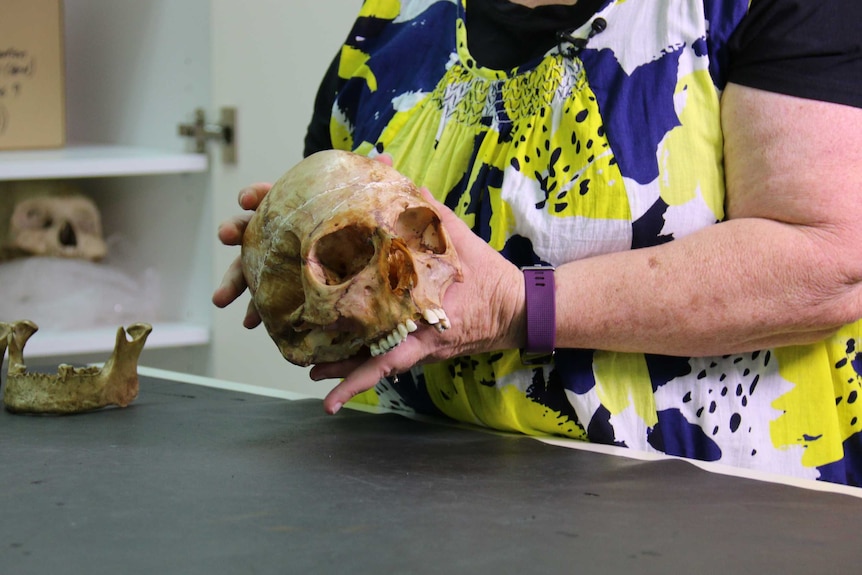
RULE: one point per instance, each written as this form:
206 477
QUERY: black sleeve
318 137
806 48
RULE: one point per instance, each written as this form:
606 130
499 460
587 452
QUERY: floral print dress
602 145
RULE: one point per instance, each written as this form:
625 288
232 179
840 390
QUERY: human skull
67 226
344 253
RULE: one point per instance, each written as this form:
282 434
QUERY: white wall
134 70
268 58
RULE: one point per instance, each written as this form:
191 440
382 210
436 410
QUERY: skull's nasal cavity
421 230
343 254
67 235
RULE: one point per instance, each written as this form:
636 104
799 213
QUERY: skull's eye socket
340 255
32 217
421 230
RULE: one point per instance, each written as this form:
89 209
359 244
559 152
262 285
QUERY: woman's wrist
512 309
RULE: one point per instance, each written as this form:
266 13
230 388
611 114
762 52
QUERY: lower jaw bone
72 389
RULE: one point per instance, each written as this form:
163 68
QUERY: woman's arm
784 269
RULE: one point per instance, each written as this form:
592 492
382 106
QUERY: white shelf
101 340
87 161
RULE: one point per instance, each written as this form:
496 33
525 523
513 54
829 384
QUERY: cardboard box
32 74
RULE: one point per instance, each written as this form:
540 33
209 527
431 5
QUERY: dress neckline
501 36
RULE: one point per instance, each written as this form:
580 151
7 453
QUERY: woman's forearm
737 286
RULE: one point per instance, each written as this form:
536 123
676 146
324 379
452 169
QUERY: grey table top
191 479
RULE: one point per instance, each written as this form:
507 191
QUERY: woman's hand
230 234
486 312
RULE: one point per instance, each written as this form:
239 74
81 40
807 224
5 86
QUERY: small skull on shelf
344 253
55 222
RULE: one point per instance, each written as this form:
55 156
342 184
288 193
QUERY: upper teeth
436 317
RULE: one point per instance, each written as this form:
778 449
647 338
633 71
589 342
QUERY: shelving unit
101 161
134 71
101 340
91 161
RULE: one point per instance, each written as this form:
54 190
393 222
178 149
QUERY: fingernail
336 408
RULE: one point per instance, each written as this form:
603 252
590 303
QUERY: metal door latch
224 132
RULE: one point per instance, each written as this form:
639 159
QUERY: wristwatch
541 315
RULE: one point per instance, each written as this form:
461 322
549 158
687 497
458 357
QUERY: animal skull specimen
344 253
67 226
73 389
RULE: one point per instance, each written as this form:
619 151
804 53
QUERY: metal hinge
224 132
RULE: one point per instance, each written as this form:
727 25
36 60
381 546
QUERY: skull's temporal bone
345 253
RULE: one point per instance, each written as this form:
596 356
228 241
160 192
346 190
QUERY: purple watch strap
541 310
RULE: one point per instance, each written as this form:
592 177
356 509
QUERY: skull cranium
344 253
66 226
